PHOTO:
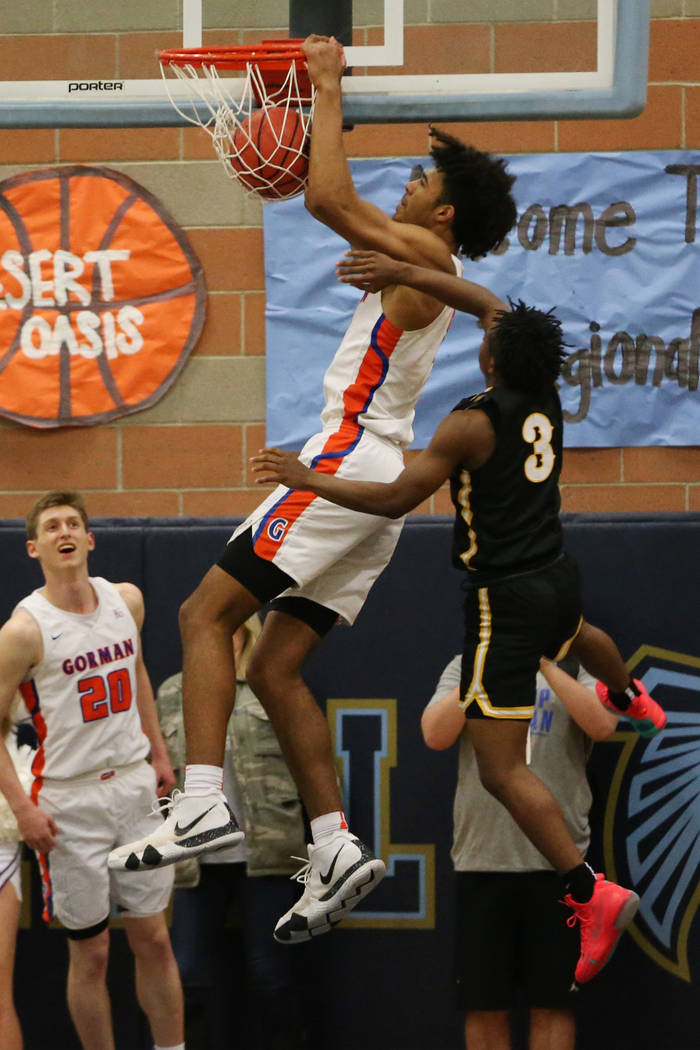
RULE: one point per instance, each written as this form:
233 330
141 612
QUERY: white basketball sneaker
338 875
194 825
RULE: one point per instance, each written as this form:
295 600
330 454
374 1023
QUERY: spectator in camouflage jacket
271 811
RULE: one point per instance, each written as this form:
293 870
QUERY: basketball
270 152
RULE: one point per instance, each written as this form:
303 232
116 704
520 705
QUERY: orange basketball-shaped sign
101 297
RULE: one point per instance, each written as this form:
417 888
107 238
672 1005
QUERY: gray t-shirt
486 838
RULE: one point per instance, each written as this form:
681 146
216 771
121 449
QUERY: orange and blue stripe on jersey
31 700
30 696
373 370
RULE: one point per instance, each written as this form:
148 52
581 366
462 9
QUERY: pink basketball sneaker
602 919
644 713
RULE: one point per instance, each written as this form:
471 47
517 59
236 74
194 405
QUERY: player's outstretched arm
330 194
463 437
418 481
581 702
371 271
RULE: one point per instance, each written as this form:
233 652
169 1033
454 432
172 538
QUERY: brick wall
188 454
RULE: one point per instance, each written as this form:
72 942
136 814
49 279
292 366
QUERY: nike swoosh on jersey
325 879
188 827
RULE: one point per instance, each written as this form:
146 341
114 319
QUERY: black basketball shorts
508 625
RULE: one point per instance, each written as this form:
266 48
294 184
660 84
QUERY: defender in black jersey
502 452
507 511
524 601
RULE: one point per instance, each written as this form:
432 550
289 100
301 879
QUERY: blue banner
607 239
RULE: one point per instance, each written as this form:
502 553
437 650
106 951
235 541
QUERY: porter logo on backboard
101 297
652 820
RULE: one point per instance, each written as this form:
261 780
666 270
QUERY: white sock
202 780
178 1046
323 828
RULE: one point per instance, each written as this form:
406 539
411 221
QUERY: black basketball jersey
507 511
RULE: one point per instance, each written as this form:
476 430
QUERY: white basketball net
223 114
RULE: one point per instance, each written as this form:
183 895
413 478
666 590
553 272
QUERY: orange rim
269 54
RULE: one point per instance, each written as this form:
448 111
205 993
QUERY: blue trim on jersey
47 887
271 511
385 366
36 710
340 454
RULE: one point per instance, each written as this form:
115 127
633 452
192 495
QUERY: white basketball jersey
379 370
82 695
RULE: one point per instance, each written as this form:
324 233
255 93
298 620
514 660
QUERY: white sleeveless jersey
82 695
379 371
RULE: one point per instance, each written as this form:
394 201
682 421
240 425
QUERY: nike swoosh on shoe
182 830
325 879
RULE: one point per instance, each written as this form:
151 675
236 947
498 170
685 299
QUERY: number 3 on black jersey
537 431
98 697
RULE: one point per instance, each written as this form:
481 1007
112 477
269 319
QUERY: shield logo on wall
652 819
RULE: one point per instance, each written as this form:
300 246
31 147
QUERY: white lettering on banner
13 262
104 333
38 284
49 280
66 268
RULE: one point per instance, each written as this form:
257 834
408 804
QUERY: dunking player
502 451
320 561
72 648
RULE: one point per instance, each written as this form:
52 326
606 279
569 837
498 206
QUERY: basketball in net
256 103
269 152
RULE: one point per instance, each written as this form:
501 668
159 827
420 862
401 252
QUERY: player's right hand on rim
367 270
325 58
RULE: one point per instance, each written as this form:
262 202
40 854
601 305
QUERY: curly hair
478 186
527 346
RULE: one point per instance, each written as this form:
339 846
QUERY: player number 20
99 696
537 431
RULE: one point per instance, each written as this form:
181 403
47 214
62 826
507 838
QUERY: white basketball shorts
11 865
334 554
93 816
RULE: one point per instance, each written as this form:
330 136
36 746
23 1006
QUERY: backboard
450 60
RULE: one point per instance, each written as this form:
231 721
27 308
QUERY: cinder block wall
188 454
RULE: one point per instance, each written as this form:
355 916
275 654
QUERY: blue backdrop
608 239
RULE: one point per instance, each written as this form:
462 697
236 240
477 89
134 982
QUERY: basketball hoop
258 121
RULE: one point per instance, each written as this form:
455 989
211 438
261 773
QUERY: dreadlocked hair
527 346
478 186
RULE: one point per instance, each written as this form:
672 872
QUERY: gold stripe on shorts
476 689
